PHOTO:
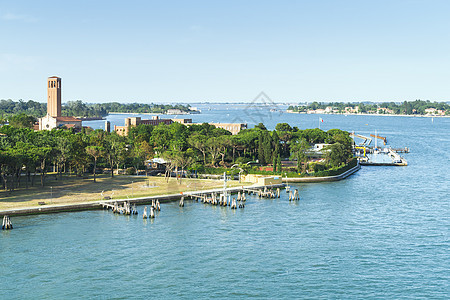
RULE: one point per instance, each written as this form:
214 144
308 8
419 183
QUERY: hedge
330 172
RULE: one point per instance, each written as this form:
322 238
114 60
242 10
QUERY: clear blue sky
186 51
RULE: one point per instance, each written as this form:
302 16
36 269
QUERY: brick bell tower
54 96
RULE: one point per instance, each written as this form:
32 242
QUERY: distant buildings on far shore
356 110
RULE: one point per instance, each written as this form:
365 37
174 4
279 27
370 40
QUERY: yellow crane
362 147
367 140
380 137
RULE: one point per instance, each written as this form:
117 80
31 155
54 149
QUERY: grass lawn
76 190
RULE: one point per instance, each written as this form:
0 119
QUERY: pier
400 150
397 160
363 149
101 204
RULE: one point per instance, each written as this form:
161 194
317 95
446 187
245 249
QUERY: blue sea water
381 233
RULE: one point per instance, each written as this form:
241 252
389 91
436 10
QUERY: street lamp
240 170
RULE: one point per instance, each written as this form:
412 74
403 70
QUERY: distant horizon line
240 102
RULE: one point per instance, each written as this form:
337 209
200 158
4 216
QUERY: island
406 108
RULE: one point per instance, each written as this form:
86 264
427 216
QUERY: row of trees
81 109
78 108
407 107
25 152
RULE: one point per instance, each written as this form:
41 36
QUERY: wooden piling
152 212
144 215
241 204
233 204
6 224
126 208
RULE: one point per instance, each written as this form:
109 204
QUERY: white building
48 122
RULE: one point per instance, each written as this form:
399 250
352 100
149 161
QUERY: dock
368 163
401 150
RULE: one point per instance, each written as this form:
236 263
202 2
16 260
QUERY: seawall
324 179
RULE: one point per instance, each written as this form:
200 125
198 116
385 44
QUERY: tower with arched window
54 96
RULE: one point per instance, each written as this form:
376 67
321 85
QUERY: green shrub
219 171
200 168
130 171
242 160
321 172
316 167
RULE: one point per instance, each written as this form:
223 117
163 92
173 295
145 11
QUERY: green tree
335 154
267 146
299 150
21 121
284 131
213 146
182 160
261 126
199 142
261 157
95 152
224 144
161 138
279 165
114 150
63 148
140 133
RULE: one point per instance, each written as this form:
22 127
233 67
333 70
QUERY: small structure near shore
294 196
152 212
144 215
6 224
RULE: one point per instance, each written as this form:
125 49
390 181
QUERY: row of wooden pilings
156 206
222 199
127 209
294 196
6 224
269 193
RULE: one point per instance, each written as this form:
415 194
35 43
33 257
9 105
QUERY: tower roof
54 77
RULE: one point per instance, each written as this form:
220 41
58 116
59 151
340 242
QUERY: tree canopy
24 151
